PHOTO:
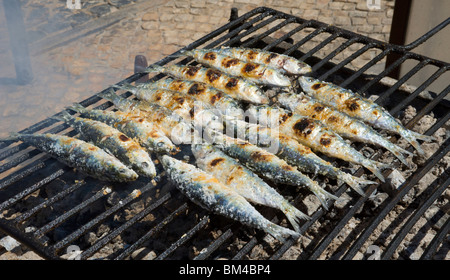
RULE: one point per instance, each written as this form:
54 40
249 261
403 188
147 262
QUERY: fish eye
145 164
160 144
122 170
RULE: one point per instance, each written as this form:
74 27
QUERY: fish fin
422 137
280 232
294 215
355 182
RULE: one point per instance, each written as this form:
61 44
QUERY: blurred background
54 53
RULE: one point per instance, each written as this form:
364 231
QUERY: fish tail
125 86
109 95
280 232
355 182
64 117
13 136
320 193
422 137
183 53
413 141
154 68
78 108
399 153
294 215
376 168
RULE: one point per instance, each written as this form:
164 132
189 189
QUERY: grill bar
184 238
251 27
61 219
444 149
437 240
103 216
30 190
47 203
153 231
97 246
389 251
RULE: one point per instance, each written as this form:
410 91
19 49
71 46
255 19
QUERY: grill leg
18 41
140 63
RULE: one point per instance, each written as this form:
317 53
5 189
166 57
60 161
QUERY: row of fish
198 103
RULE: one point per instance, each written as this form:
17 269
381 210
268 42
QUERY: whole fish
341 123
112 140
254 72
292 152
209 193
146 133
313 134
267 164
79 154
244 181
190 109
221 101
236 87
170 123
275 60
359 107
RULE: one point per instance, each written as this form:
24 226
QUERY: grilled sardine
112 140
79 154
359 107
209 193
246 183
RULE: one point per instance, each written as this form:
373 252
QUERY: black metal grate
49 207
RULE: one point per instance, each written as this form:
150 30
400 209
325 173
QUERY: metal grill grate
49 207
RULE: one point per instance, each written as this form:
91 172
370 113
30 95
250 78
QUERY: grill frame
236 29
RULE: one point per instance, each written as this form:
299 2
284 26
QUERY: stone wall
83 67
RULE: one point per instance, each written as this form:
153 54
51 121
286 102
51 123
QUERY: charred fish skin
268 165
293 152
81 155
236 87
208 192
191 110
170 123
136 127
341 123
117 143
243 181
275 60
221 101
359 107
313 134
255 72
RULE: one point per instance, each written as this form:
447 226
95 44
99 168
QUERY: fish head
126 174
308 83
168 162
164 145
143 164
255 94
277 79
296 67
202 150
